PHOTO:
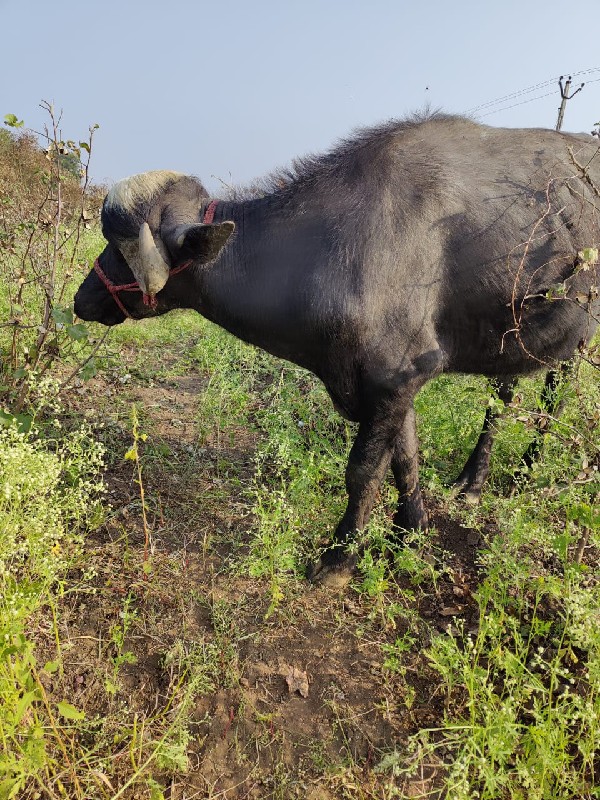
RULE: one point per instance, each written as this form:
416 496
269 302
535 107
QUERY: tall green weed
50 492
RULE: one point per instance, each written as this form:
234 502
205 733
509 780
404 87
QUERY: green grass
50 490
523 689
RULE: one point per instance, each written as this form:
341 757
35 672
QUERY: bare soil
301 704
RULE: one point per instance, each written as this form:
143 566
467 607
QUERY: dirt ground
299 703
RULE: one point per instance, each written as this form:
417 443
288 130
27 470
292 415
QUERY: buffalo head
153 225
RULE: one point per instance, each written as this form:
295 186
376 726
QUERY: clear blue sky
232 89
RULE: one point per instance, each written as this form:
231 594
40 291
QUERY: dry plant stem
584 170
44 249
134 453
141 767
556 419
582 544
18 300
517 310
72 771
79 367
52 255
43 784
49 288
517 316
144 518
81 220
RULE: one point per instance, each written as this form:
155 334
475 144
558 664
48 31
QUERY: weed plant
300 457
522 689
49 494
46 244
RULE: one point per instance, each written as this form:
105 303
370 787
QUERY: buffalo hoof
332 570
471 498
463 490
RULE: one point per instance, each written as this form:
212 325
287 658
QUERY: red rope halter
209 214
114 289
149 300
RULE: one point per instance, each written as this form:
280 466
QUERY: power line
524 102
527 90
585 72
511 96
514 105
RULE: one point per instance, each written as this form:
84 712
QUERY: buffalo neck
252 289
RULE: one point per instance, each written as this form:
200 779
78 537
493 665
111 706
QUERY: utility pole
564 93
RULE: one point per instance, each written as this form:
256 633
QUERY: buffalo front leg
368 463
386 434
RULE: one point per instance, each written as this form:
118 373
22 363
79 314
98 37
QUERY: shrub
46 233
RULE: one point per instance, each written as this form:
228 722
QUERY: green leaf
89 370
12 121
24 422
588 256
561 544
24 703
10 787
51 666
156 792
580 512
6 419
68 711
78 332
62 316
558 290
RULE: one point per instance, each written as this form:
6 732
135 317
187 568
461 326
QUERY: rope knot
150 300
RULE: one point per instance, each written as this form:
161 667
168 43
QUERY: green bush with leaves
46 243
50 491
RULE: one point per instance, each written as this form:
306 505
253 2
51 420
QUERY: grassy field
159 638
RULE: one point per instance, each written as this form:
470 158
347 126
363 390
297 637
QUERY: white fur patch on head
128 193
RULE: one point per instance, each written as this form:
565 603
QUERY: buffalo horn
153 270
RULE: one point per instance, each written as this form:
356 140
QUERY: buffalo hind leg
474 474
410 513
551 403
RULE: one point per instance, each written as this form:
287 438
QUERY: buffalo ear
202 242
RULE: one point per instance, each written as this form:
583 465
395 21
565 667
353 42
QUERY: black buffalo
414 248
